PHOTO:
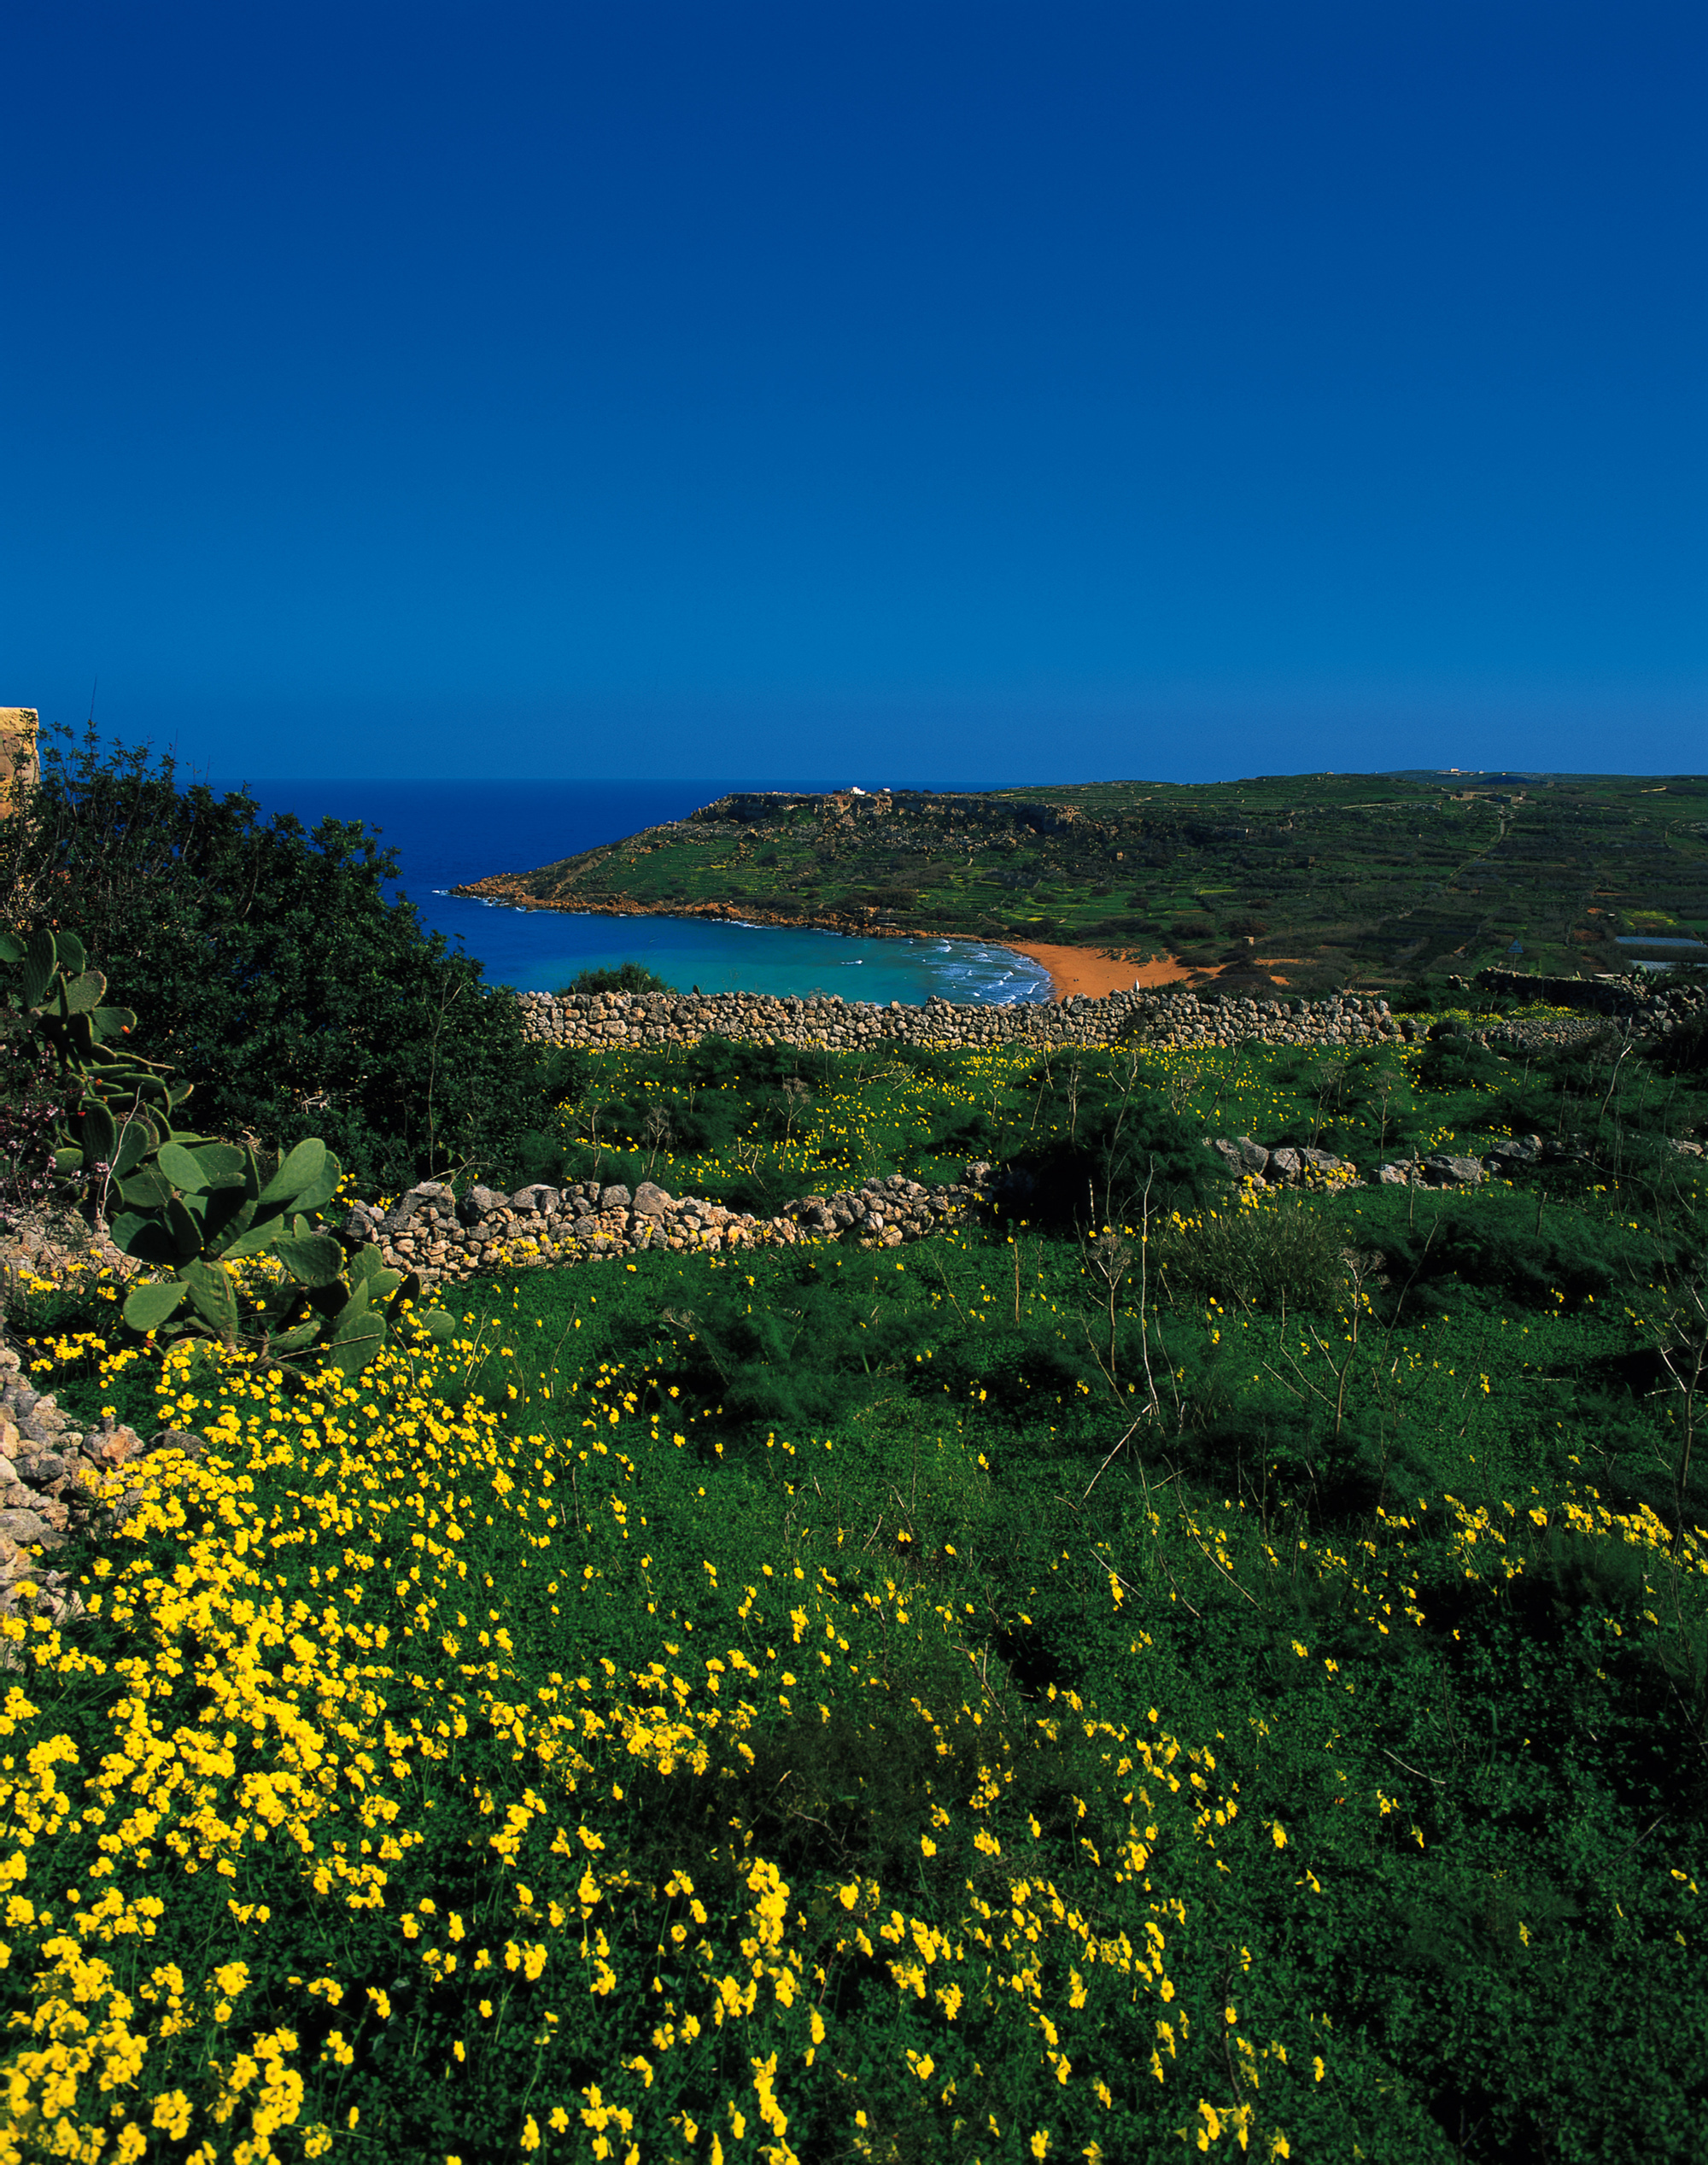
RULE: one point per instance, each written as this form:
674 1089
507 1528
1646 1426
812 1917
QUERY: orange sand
1095 971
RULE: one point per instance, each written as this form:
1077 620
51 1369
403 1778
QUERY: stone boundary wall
55 1481
442 1236
614 1019
1152 1017
1635 998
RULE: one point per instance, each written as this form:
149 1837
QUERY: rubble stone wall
55 1480
1145 1017
440 1236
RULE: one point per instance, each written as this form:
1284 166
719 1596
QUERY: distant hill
1310 880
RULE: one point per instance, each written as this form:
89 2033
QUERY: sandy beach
1097 971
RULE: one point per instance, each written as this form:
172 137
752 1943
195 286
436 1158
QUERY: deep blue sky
948 392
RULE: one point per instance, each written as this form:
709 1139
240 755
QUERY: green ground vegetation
1318 880
1167 1664
752 1126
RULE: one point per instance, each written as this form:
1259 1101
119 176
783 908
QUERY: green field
1316 880
1228 1670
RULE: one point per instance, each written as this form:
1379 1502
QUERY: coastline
1086 972
505 891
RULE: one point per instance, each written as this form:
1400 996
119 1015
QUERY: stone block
1447 1170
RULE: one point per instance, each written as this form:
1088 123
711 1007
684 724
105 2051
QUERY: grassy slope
1434 1654
1376 878
725 1126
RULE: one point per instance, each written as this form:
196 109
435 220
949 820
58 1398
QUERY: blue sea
445 833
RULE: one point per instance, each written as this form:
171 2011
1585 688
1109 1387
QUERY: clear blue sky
944 392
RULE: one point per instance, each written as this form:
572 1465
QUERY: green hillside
1319 879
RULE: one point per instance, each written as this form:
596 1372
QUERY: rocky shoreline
509 891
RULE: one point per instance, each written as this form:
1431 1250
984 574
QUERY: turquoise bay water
447 832
540 950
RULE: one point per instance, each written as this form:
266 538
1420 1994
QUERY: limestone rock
1447 1170
180 1439
116 1446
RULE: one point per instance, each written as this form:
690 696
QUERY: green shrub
1123 1143
1684 1052
1563 1261
627 977
276 974
1452 1059
1288 1255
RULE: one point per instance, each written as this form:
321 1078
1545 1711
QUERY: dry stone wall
56 1480
613 1019
442 1236
1154 1017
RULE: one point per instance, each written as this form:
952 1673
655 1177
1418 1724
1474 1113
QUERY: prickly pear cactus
120 1104
198 1207
192 1205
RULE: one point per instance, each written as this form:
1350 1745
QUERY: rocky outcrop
51 1244
442 1236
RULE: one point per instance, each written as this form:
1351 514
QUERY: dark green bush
720 1063
1289 1254
627 977
1684 1052
1123 1144
1564 1261
972 1134
1452 1059
272 970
